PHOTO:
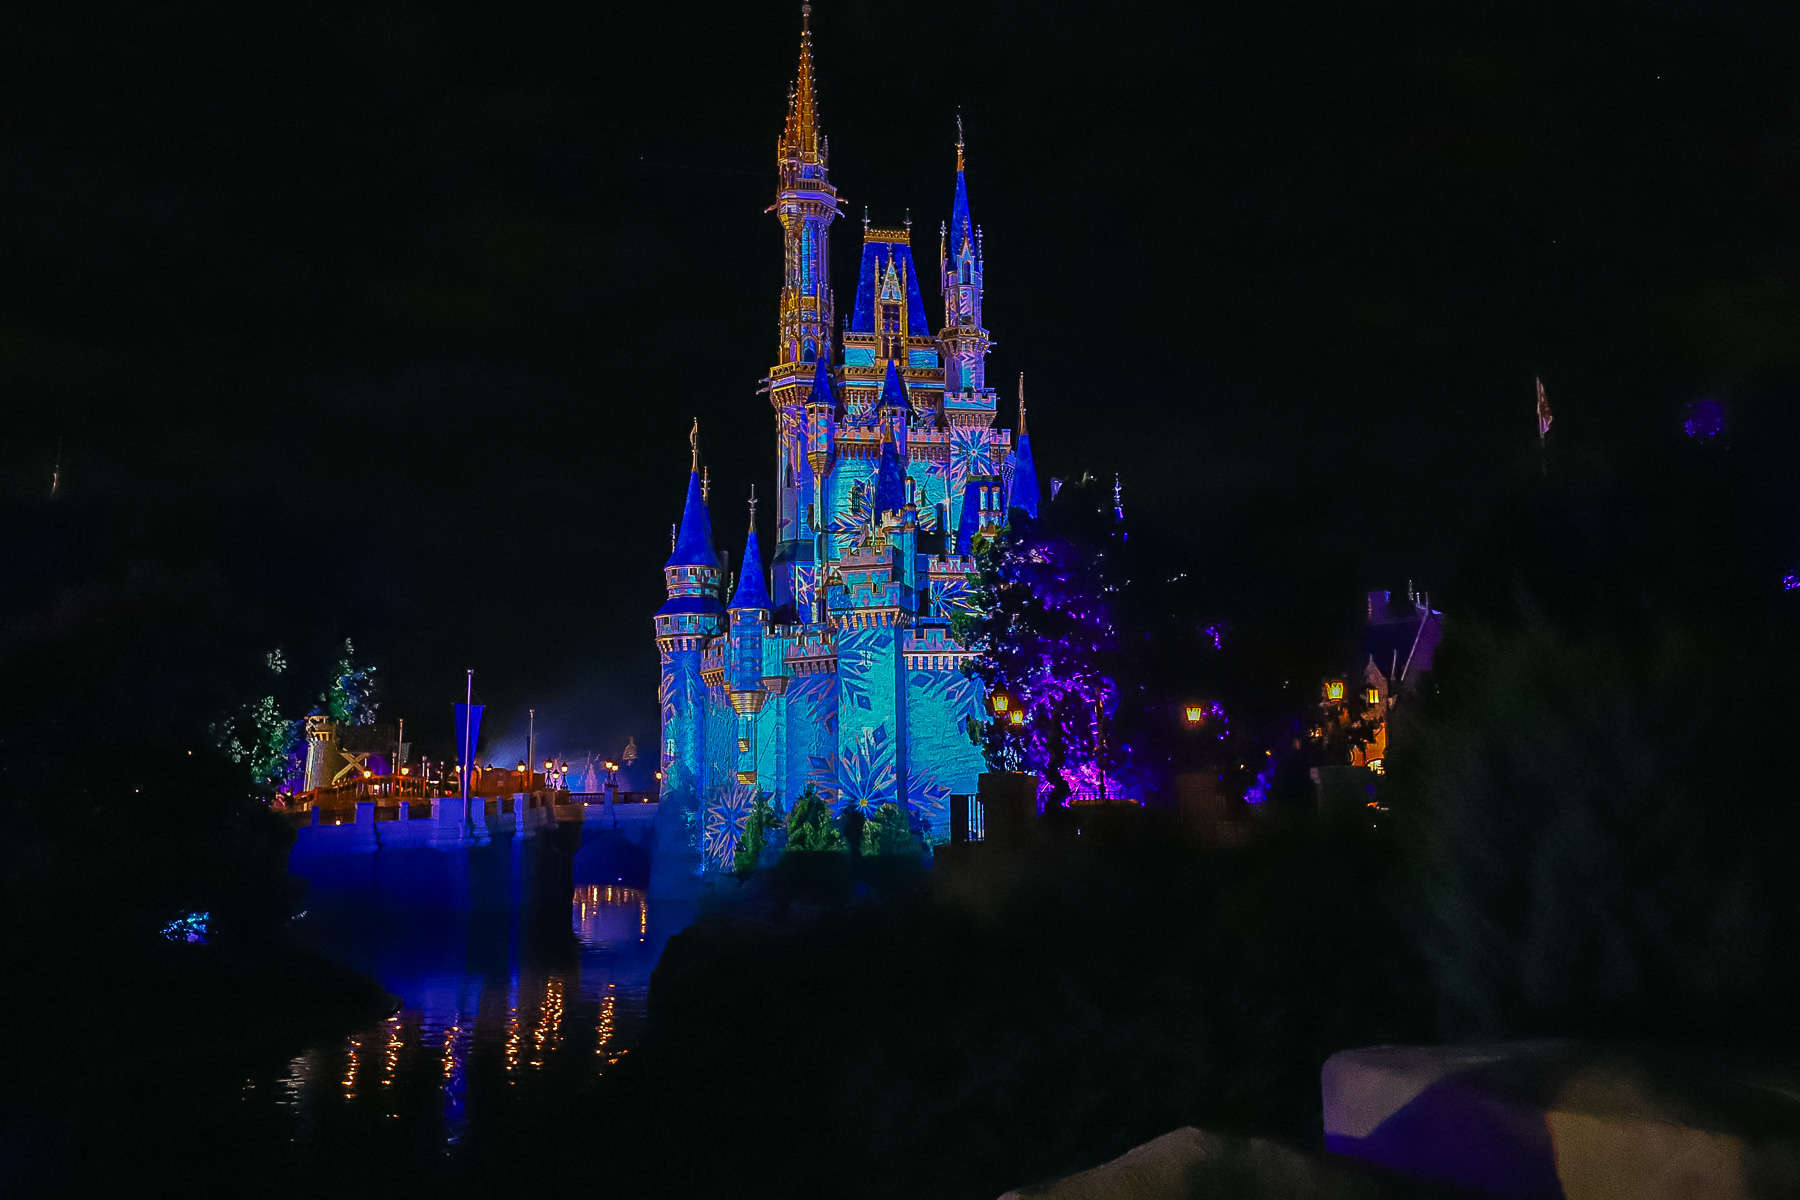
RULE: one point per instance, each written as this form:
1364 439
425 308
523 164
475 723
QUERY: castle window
965 271
1374 696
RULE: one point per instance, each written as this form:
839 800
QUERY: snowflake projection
665 698
806 592
930 803
971 457
866 775
850 524
853 673
951 597
816 693
727 816
939 745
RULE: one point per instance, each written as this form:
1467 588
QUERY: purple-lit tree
1044 626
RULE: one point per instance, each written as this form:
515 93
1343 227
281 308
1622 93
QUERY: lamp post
530 737
612 790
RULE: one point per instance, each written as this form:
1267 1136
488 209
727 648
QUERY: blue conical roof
893 391
890 479
968 522
751 592
962 229
822 389
694 544
1025 493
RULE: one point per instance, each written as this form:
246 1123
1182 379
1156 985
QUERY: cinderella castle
833 661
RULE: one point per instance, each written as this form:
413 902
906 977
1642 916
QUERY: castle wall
943 762
871 736
811 712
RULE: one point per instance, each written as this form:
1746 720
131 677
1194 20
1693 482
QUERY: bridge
367 826
381 854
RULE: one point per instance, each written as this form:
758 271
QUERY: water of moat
505 1023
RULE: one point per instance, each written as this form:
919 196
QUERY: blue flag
468 733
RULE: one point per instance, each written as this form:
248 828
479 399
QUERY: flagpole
468 767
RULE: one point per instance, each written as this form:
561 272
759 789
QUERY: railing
395 788
341 804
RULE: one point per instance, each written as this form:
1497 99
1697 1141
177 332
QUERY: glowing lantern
1334 689
1195 713
1001 702
1016 717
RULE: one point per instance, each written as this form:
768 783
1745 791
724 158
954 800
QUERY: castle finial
671 537
706 484
1021 404
753 508
865 218
959 138
694 443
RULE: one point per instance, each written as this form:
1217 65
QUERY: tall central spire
802 132
806 204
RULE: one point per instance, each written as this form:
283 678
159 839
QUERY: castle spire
801 134
1024 494
694 541
751 591
966 341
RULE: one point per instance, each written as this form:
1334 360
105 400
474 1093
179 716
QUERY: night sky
391 326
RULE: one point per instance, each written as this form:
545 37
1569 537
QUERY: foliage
1045 630
761 824
351 696
888 832
810 827
262 738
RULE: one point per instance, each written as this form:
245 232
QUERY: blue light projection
845 674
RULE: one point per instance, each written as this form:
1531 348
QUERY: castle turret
688 618
968 401
749 615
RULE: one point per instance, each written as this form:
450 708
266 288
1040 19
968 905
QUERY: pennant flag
468 733
1543 411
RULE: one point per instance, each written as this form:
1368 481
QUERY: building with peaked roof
840 669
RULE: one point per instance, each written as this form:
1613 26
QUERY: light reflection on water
488 1031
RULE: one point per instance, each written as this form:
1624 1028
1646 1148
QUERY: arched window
810 351
965 270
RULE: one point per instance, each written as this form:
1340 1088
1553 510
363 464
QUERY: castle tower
806 204
967 399
690 616
749 617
